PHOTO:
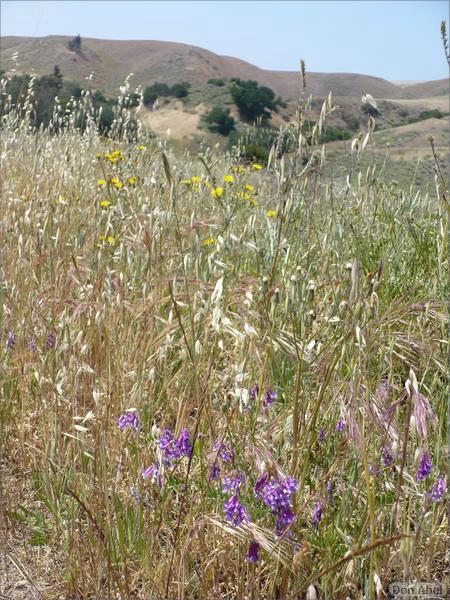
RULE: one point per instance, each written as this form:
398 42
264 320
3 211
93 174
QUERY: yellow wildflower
132 180
196 179
187 181
209 241
105 203
271 214
239 169
217 192
140 148
116 183
114 156
101 182
256 167
111 240
249 187
228 178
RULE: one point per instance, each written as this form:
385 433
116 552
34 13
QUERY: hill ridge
170 62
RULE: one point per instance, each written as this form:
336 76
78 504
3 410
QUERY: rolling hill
112 61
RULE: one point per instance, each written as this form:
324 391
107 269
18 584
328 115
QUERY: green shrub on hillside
254 101
219 120
158 90
217 82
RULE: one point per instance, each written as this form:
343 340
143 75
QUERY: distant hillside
439 87
112 60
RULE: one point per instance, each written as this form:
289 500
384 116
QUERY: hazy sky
398 40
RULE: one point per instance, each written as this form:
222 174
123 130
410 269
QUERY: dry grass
336 303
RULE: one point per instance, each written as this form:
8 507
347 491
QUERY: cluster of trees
254 101
158 90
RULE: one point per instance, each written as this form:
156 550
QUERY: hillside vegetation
220 378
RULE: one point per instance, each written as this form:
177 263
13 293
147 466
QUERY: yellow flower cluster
271 214
194 182
217 192
116 183
114 157
209 241
111 240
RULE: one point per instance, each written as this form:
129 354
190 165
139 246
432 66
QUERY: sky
393 39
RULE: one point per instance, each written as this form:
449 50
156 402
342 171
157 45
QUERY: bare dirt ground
172 120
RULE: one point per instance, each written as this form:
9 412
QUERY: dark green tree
180 90
252 100
75 43
154 91
219 120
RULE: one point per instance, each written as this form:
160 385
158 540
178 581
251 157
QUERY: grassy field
218 380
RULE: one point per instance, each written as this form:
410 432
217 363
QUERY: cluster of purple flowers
32 344
235 512
340 425
128 420
232 484
388 459
425 467
11 340
438 489
276 493
51 340
316 514
253 392
253 552
31 341
174 448
225 453
269 397
330 492
153 473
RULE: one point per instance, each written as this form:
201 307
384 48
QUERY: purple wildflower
172 449
330 492
277 495
32 344
253 391
253 552
284 518
235 512
316 514
425 467
153 473
11 340
128 419
214 471
321 435
225 452
388 459
269 397
51 340
231 484
438 489
183 444
340 425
